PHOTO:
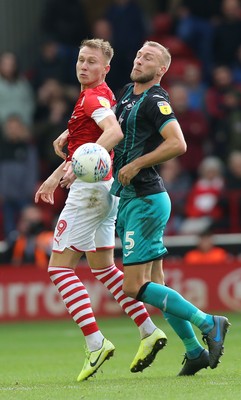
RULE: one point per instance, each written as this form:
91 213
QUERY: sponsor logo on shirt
104 102
128 253
130 105
164 107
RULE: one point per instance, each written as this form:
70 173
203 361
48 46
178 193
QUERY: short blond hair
101 44
166 56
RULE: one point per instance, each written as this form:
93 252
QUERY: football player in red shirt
87 222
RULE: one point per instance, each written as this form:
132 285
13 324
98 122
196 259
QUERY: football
91 162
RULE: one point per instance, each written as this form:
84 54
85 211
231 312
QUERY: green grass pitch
42 360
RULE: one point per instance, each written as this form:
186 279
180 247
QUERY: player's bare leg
77 302
153 339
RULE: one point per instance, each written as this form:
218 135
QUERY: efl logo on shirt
104 102
164 107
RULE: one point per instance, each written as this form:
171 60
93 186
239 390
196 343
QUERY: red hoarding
26 293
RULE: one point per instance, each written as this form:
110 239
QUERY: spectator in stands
47 129
233 174
66 22
194 26
102 29
195 126
203 209
50 64
227 33
18 171
236 67
200 9
223 102
48 93
129 31
16 94
32 242
196 88
177 183
206 252
232 200
232 121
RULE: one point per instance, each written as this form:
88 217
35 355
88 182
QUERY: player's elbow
119 135
182 147
179 147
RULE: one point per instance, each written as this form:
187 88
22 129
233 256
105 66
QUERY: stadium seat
176 47
177 69
161 25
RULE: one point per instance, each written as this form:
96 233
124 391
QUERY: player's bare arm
69 176
173 145
48 187
59 144
112 133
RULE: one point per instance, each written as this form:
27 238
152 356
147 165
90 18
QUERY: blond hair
101 44
166 56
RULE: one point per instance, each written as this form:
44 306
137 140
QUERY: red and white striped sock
112 278
77 302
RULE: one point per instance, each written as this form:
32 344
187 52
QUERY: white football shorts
87 221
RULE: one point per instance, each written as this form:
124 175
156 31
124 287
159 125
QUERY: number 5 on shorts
129 242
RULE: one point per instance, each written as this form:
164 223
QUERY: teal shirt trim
167 122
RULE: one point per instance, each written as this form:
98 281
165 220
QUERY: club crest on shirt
164 107
104 102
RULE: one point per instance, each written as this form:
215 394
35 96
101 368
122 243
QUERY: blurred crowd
204 84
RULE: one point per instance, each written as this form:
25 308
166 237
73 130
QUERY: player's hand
46 190
127 173
69 176
59 143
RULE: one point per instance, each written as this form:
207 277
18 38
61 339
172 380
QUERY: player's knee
130 290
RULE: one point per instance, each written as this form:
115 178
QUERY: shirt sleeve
159 111
101 113
97 107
